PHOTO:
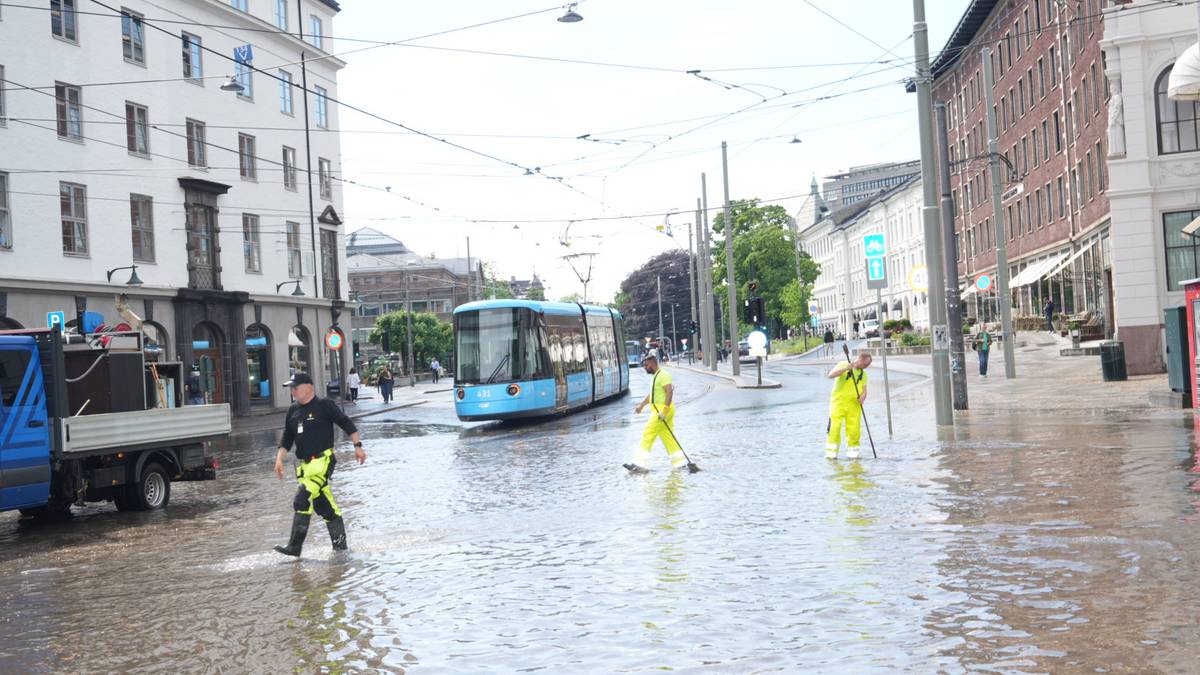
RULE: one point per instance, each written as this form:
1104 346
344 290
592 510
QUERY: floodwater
1031 545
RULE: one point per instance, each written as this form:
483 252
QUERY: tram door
559 354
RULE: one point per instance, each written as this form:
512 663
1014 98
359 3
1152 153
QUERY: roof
852 212
964 33
332 4
369 262
536 305
370 240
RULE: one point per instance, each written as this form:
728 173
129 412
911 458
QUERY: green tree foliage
571 297
495 288
764 250
536 294
638 298
431 336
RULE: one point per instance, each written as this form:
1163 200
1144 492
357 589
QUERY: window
3 109
62 19
69 111
1045 140
137 128
133 37
1089 179
314 28
281 15
246 157
197 155
1037 153
1057 133
1028 32
325 177
73 204
293 249
1049 204
192 62
1181 249
251 246
1095 91
285 92
1021 93
1024 155
1038 199
1010 223
1101 185
1028 212
244 76
1177 120
1041 69
289 168
141 220
6 242
240 4
322 107
1062 199
1053 67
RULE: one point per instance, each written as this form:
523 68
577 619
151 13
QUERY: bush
913 340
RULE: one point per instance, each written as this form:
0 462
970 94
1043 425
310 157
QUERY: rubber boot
337 533
299 532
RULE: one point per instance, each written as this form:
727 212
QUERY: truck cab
24 426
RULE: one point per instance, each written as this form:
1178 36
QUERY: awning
1036 271
1068 261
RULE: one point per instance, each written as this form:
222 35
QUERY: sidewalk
369 403
747 380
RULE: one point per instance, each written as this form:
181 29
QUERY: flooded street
1023 545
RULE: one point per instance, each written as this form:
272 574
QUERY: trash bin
334 388
1112 360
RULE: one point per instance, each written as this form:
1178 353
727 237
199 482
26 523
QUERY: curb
739 381
401 406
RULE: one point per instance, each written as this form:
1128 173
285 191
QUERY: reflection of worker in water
852 479
669 534
845 406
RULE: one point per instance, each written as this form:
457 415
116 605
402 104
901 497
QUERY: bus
526 358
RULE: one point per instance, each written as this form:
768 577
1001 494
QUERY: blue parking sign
56 319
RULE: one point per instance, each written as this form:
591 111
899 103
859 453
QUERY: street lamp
571 16
298 291
133 277
232 85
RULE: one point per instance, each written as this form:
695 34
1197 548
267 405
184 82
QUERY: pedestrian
828 343
309 426
195 393
436 369
1048 311
845 406
386 380
662 416
353 381
983 346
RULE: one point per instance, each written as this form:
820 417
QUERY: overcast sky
530 112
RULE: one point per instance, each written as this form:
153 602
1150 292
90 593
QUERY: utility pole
658 279
933 236
698 292
958 365
732 281
710 312
412 376
692 278
674 337
312 212
470 274
1003 297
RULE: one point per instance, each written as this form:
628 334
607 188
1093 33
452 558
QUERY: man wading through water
309 426
662 415
845 406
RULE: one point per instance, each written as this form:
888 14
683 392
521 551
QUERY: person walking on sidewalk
309 426
662 418
353 382
1048 312
436 369
845 406
983 346
386 382
828 343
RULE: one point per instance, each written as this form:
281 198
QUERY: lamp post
297 291
133 277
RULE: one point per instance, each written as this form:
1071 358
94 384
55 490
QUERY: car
743 348
870 328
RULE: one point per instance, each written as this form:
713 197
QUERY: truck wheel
151 491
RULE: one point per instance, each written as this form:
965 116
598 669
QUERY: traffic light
357 352
693 327
753 313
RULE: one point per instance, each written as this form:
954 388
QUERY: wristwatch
358 444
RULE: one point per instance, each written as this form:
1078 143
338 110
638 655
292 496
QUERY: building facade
1154 160
835 243
204 190
1051 100
863 182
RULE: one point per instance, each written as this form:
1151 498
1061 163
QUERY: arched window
156 340
1177 120
9 324
258 364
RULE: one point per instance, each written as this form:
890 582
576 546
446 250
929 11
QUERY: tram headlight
462 393
513 389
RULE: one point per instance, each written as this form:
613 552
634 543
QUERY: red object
1192 289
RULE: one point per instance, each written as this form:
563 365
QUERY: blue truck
96 419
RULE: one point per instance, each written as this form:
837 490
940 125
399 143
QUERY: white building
119 147
1154 164
835 243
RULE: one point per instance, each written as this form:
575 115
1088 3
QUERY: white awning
1036 271
1068 261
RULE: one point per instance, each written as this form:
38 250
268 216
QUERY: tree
536 294
431 336
571 297
495 288
764 250
638 298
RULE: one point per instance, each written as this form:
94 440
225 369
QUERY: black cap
298 379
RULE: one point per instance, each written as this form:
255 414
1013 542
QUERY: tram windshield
496 345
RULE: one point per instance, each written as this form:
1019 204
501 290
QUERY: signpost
243 54
983 282
875 250
56 319
758 349
333 340
918 279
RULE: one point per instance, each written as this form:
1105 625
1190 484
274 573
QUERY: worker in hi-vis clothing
845 405
662 417
309 425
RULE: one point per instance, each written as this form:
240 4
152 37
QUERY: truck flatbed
159 427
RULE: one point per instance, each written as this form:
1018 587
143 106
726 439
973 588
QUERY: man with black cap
662 416
309 426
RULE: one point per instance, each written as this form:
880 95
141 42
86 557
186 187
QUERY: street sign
333 340
918 279
1012 191
814 308
56 319
757 341
683 341
875 250
983 282
815 322
874 246
243 54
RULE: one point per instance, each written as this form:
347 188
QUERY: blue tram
523 358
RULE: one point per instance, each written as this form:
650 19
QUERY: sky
825 72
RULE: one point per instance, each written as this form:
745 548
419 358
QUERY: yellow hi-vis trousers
656 428
849 413
314 493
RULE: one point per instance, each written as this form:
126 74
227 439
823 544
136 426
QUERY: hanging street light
571 16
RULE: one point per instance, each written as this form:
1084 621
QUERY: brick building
1050 97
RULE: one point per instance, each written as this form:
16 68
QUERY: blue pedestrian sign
243 54
875 251
56 319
